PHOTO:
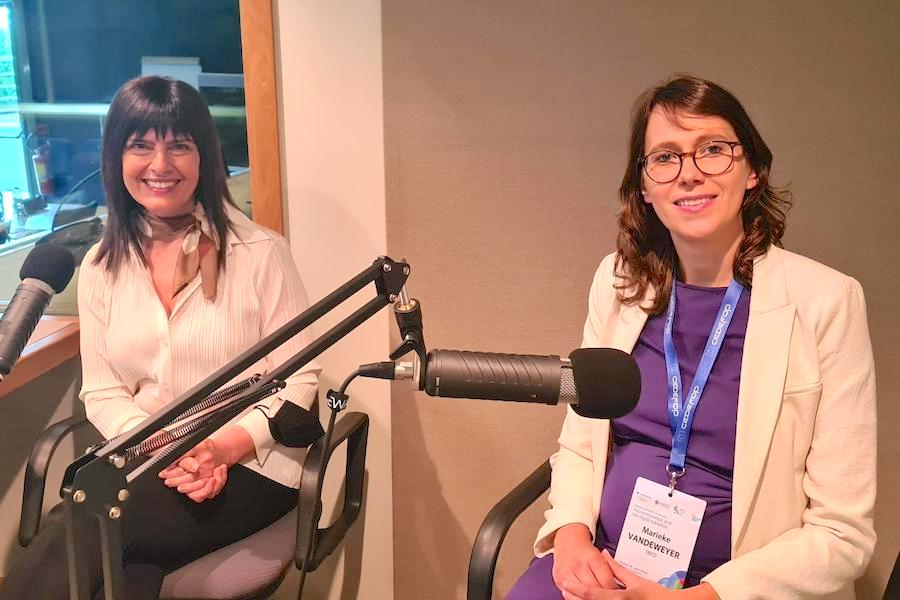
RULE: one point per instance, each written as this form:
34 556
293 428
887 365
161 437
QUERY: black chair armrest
486 548
36 474
354 429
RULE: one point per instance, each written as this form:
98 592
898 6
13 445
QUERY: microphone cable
337 401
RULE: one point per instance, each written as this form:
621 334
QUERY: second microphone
597 382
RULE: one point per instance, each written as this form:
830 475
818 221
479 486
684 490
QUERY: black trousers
162 530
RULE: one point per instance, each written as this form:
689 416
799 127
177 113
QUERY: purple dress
642 439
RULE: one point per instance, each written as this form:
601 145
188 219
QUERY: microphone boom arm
96 484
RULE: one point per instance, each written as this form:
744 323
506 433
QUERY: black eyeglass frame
693 154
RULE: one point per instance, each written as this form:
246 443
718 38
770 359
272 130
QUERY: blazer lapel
628 328
763 371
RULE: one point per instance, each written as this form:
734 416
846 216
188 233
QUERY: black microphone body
600 383
19 320
47 269
495 376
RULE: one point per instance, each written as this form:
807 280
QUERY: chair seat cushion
239 570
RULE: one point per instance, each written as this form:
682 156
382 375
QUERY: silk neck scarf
192 228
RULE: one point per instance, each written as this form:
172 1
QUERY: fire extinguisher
40 158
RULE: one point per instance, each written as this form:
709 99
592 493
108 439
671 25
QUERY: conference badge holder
660 532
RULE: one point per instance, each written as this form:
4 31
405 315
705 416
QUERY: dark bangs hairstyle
161 105
645 257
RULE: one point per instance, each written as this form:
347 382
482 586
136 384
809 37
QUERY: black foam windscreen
50 263
608 382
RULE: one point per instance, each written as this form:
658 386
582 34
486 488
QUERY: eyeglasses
711 158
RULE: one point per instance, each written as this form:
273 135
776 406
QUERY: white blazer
804 459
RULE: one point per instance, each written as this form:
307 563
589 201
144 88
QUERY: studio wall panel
505 128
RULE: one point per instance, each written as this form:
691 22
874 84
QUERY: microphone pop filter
50 263
607 380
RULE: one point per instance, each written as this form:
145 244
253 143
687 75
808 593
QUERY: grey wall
505 132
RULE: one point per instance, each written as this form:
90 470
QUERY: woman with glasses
181 283
747 469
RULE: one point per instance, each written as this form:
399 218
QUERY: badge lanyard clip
673 478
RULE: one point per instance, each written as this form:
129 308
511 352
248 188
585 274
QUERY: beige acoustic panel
505 132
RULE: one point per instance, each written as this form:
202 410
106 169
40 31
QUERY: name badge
659 534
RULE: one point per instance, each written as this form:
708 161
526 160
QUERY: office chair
252 568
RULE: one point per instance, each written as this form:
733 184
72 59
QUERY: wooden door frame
261 96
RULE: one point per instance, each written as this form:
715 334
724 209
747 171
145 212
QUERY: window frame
261 101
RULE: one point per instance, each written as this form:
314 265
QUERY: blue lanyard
681 414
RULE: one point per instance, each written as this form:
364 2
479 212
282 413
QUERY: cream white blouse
136 359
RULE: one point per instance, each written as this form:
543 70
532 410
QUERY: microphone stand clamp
408 312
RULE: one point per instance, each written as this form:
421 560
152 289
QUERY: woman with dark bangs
747 469
181 283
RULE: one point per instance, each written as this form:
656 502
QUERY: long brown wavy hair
645 258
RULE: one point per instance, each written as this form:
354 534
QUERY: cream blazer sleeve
580 463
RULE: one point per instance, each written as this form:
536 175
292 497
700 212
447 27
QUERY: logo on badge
675 581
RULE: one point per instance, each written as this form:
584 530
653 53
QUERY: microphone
599 383
47 269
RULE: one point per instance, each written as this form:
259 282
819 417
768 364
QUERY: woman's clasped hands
202 472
